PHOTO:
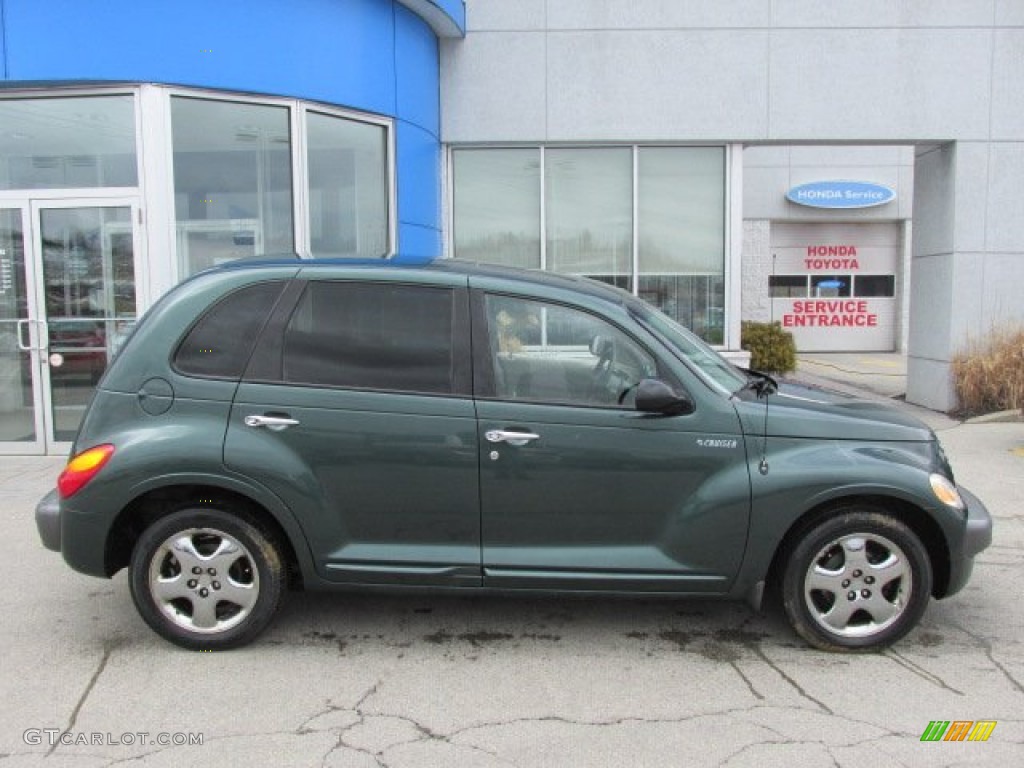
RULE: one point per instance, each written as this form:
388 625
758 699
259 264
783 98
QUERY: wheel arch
162 500
924 526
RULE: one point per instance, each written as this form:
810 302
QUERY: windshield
714 366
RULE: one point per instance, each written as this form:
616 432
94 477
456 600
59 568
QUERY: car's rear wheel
858 580
206 579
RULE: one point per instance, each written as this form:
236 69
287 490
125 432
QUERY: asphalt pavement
420 680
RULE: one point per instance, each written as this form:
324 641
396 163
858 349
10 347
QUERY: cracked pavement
415 681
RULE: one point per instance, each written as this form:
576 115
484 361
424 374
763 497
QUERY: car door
579 490
356 411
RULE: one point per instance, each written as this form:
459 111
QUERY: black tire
858 580
206 579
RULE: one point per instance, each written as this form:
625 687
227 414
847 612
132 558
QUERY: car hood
810 412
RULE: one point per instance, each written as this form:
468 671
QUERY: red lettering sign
830 313
832 264
832 250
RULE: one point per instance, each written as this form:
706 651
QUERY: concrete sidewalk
879 373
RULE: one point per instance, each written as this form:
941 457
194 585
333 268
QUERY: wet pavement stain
715 651
680 639
930 639
476 639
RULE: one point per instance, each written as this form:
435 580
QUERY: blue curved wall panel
372 55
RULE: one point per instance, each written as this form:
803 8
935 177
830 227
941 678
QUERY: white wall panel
657 14
883 84
883 13
601 85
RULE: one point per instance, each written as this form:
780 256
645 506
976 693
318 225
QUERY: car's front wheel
206 579
858 580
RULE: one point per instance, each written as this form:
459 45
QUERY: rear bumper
48 520
977 536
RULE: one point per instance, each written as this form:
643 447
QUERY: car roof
539 277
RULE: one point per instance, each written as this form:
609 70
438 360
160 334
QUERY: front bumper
977 536
48 520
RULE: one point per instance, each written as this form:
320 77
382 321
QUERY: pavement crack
920 671
108 649
987 646
757 694
796 686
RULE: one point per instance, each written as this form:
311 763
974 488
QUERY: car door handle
273 423
512 438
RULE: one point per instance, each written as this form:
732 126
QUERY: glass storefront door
20 431
67 301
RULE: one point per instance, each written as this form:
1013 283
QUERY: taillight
83 468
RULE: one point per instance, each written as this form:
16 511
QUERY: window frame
297 126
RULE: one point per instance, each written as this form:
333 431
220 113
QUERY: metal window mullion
300 180
543 209
636 221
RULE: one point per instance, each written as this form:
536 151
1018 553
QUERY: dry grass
989 374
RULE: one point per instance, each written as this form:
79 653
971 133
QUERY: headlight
946 492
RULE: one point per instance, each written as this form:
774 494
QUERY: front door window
550 353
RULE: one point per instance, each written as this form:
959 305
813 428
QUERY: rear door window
375 336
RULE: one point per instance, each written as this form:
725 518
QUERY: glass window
348 191
232 181
82 141
681 224
497 206
220 343
787 286
830 285
875 285
550 353
372 336
589 198
592 210
692 348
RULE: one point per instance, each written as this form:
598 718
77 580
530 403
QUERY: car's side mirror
655 396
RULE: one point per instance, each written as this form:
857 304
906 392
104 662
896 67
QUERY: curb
999 417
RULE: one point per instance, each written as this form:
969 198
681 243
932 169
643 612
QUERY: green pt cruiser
337 425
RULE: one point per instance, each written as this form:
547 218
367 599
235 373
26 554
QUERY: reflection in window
497 206
232 181
830 285
89 289
787 286
589 198
681 224
348 200
82 141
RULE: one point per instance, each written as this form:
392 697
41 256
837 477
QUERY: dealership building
852 171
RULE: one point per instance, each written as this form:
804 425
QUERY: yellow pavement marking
1018 451
879 361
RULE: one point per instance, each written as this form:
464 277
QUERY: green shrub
772 349
989 374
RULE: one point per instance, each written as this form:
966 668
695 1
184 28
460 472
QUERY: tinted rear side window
372 336
220 343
